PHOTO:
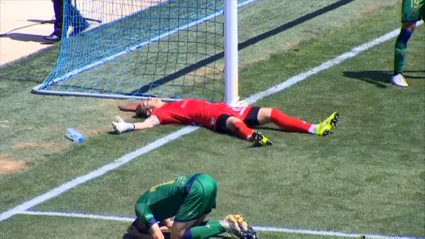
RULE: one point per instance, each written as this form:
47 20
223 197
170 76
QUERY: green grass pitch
366 178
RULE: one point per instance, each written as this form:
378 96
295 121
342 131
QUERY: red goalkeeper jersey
197 112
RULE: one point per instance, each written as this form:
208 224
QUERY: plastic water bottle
75 135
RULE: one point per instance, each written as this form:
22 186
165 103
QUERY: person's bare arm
167 222
139 230
150 122
155 232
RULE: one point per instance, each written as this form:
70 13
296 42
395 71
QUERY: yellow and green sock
400 51
205 230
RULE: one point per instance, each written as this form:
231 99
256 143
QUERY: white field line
257 228
160 142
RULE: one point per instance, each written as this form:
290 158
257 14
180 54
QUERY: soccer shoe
243 231
326 127
231 225
251 234
399 80
53 37
259 139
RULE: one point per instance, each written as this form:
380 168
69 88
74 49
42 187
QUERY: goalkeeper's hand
239 103
121 126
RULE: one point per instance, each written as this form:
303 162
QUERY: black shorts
251 120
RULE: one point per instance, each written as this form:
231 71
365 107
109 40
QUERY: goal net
140 48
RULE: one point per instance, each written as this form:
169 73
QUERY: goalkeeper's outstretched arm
120 126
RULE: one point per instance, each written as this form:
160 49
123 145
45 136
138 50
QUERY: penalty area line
189 129
257 228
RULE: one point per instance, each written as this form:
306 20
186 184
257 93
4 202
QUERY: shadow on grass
37 22
271 128
27 38
42 21
379 78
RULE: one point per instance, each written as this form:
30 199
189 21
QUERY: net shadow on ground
154 84
141 56
241 46
26 37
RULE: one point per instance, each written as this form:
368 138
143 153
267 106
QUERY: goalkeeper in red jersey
189 199
218 117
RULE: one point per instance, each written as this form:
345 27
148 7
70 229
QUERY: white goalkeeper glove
239 103
121 126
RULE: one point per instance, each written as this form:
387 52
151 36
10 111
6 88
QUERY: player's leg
76 20
58 6
421 10
57 32
205 229
197 204
400 53
292 124
409 17
228 123
288 123
137 228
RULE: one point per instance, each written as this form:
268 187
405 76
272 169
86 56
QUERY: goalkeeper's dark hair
141 111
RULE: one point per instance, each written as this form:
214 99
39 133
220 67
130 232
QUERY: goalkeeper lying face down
218 117
189 199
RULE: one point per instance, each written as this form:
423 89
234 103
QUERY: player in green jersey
412 11
189 199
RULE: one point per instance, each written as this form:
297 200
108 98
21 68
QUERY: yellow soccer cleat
230 223
239 227
259 139
326 127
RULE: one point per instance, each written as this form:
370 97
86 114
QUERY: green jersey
162 201
186 197
412 10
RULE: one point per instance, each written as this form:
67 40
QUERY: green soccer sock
400 51
210 228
